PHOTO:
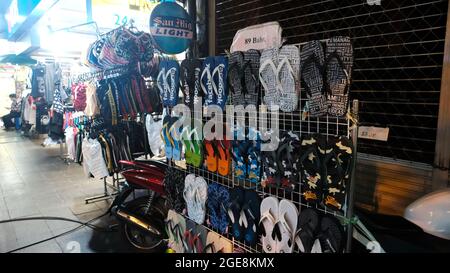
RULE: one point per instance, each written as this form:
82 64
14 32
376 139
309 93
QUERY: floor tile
51 246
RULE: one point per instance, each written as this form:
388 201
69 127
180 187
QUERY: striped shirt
15 106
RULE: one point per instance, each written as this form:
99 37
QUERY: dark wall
398 58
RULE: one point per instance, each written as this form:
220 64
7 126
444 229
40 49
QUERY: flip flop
188 149
269 218
176 144
174 182
307 227
224 158
172 81
211 156
286 226
312 77
197 96
179 230
215 244
239 153
338 166
189 192
271 173
200 197
288 156
165 136
187 82
206 81
287 74
310 164
234 212
188 237
251 77
251 210
331 235
199 239
161 83
254 160
268 77
218 205
235 77
197 149
220 80
338 66
169 225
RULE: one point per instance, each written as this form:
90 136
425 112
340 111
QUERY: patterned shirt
15 106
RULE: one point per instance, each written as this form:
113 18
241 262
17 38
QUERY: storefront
231 126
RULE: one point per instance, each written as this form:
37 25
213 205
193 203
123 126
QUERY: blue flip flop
218 203
251 209
206 81
161 83
176 144
165 136
220 80
254 159
237 198
172 80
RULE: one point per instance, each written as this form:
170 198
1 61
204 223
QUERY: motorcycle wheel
140 239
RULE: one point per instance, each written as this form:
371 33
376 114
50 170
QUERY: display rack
302 125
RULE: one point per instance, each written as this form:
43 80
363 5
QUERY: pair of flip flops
171 136
218 204
214 81
174 182
326 75
193 147
194 237
281 164
218 156
190 82
247 156
318 234
168 82
326 167
279 76
195 194
175 228
278 225
244 215
243 78
216 243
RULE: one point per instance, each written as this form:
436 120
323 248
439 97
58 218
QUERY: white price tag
374 133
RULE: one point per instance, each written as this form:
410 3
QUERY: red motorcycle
141 205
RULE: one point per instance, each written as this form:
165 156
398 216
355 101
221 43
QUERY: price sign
373 133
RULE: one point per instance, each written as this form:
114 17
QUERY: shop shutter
399 49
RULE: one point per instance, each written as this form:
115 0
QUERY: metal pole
351 195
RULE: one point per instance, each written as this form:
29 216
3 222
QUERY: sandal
286 226
312 76
307 227
250 73
288 70
251 211
310 164
220 81
268 78
269 218
235 77
211 156
206 81
218 206
234 212
338 67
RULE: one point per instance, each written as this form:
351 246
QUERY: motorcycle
140 205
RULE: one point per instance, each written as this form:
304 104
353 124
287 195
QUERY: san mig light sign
171 28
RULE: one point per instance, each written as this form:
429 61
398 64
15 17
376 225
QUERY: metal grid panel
327 126
398 49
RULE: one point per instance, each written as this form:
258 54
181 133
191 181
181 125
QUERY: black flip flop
251 210
311 170
337 170
235 77
338 67
307 227
312 77
237 197
331 235
288 156
251 77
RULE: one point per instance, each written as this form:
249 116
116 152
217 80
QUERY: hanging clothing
93 162
91 108
38 82
153 132
70 134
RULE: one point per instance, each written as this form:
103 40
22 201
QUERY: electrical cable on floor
88 224
53 218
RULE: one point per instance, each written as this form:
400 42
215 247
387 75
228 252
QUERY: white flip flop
200 198
287 225
288 71
189 194
268 77
180 228
269 217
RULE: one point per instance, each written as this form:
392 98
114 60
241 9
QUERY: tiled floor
34 181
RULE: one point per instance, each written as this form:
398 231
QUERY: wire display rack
302 125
